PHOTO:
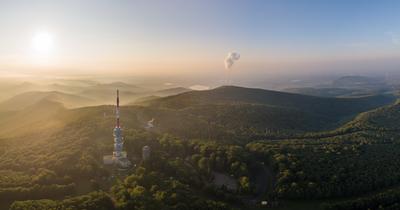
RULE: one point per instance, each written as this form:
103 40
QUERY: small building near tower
108 160
146 152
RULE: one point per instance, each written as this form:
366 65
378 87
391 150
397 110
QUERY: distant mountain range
27 99
347 86
354 82
76 93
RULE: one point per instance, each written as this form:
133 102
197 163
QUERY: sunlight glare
43 42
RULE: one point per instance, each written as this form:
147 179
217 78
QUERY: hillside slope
40 116
219 113
27 99
240 95
237 111
383 118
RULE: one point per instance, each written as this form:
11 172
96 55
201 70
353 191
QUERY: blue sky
173 36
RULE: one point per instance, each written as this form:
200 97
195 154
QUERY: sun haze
42 42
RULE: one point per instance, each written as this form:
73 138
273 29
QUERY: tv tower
118 141
119 157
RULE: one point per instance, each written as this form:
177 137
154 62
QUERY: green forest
227 148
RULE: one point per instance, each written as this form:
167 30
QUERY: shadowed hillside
384 118
235 110
240 95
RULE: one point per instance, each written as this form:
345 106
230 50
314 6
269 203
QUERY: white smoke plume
230 59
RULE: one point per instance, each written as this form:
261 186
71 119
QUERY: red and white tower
119 156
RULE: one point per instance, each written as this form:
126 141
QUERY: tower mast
119 156
118 141
117 109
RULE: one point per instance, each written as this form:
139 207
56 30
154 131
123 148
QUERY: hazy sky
169 37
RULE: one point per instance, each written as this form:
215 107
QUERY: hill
26 99
33 118
170 91
116 85
240 95
320 92
359 82
105 96
50 152
103 92
335 92
12 88
385 118
221 113
347 86
143 100
238 110
148 96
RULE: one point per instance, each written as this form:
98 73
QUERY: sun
42 42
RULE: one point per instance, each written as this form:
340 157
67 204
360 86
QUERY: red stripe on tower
117 110
117 98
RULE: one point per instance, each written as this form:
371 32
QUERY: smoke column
229 61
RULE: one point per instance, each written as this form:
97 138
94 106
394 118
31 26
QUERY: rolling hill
70 143
336 92
347 86
170 91
158 94
385 118
359 82
39 116
237 110
27 99
231 95
217 113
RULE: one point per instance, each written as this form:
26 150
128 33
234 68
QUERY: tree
244 184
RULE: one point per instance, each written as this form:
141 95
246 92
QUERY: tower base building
122 162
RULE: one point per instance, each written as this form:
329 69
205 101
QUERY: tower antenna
117 110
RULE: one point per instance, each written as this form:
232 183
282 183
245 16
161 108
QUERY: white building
146 152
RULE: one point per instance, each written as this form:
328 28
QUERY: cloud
230 59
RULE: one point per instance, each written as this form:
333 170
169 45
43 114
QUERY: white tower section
118 141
